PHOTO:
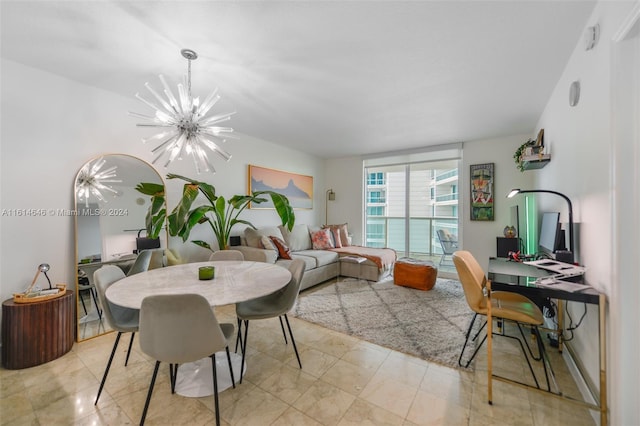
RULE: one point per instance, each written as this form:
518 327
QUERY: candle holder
206 272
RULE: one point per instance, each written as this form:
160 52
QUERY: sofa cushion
322 240
298 238
252 236
268 244
283 249
309 262
337 241
319 257
344 233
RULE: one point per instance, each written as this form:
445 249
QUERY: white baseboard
583 387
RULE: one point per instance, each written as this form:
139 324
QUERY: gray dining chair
227 255
180 328
122 320
273 305
141 263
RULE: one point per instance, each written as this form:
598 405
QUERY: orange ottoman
418 274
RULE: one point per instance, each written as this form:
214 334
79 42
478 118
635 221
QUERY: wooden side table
35 333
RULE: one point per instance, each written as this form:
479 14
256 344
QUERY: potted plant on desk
221 214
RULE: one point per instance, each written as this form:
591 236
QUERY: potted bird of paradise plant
221 214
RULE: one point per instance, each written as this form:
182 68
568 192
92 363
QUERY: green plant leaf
150 188
203 244
220 214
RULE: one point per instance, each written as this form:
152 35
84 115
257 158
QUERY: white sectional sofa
321 264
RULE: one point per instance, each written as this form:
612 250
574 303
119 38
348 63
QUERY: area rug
427 324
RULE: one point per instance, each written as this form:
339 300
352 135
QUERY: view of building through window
407 204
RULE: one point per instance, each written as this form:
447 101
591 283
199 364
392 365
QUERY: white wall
479 237
581 168
345 175
51 126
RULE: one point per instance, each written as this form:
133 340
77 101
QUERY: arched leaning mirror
110 223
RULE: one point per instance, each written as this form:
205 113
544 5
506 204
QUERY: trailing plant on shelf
221 214
517 156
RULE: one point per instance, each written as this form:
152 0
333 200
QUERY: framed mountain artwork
297 188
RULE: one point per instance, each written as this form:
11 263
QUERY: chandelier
91 181
186 127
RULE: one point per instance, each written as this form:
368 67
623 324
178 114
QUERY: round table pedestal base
195 379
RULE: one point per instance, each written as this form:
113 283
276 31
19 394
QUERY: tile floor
344 381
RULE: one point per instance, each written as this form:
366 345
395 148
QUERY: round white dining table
234 281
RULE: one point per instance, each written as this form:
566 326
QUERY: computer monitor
550 238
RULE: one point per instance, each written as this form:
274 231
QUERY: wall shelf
535 161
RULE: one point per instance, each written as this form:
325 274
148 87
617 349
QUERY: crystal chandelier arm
176 149
205 122
201 161
164 103
145 117
169 93
210 143
185 103
158 136
148 103
155 125
170 139
209 102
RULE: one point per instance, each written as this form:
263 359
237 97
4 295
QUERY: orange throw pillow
283 251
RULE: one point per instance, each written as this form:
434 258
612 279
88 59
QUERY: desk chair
182 328
448 242
273 305
227 255
122 320
502 305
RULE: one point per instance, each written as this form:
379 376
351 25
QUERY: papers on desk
558 268
558 284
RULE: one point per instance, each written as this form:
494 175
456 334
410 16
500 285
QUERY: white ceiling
331 78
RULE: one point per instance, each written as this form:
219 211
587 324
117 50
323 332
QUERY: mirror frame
103 328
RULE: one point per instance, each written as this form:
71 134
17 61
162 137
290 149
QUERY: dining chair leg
233 380
106 371
95 301
146 403
215 388
292 340
283 332
126 361
173 375
239 336
244 348
83 305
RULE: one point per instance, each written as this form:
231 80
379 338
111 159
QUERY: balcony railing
447 175
447 197
423 240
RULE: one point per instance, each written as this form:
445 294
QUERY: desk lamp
522 191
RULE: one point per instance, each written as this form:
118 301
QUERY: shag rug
428 324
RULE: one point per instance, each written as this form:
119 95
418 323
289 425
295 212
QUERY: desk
234 282
518 277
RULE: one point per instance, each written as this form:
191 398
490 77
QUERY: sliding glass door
407 203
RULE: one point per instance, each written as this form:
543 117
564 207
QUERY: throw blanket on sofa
383 257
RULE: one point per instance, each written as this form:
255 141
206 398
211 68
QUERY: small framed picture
482 176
